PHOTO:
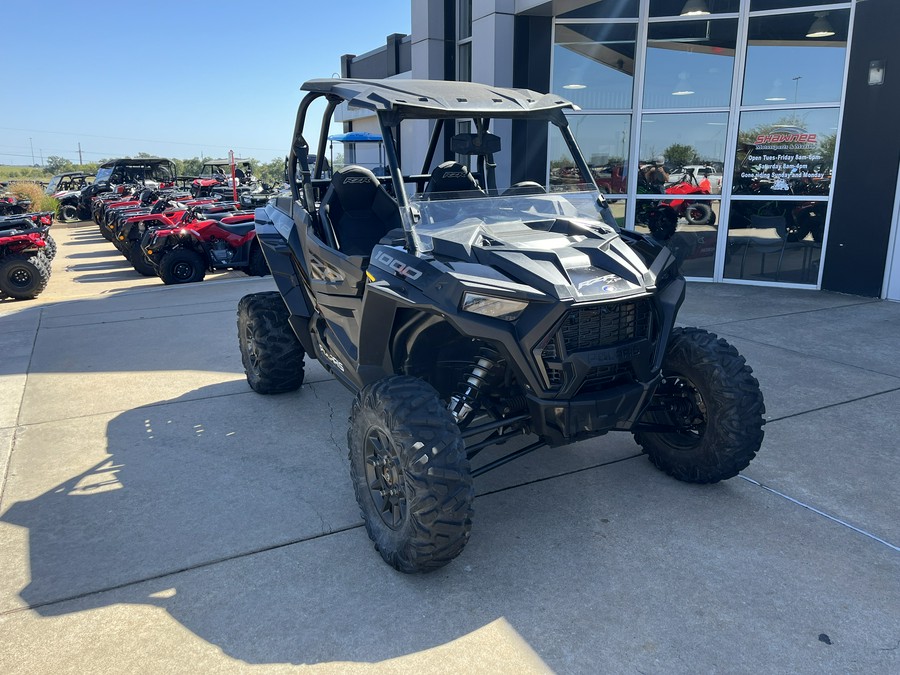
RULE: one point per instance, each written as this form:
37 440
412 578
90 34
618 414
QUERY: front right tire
23 277
68 213
410 474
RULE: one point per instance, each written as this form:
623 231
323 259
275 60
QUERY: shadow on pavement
235 514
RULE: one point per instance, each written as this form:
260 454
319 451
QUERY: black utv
465 313
148 172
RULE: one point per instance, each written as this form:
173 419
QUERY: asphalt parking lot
156 515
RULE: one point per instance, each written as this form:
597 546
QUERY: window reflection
689 7
604 142
683 141
757 5
688 225
775 240
593 64
785 152
604 9
784 65
690 64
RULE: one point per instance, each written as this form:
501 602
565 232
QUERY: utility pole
32 151
42 158
79 156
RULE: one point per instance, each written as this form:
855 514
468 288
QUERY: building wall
512 44
866 174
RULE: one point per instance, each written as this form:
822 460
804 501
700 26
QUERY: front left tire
713 406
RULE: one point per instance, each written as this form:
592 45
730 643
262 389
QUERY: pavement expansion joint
832 405
795 312
141 318
182 570
821 513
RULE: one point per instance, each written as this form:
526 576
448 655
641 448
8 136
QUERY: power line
136 140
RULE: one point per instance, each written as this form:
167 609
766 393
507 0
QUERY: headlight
489 305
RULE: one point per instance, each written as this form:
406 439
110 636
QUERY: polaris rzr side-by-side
465 313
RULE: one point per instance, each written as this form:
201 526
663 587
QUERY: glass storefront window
692 7
593 64
694 224
682 156
685 139
786 65
785 152
604 141
775 240
604 9
465 19
759 5
690 64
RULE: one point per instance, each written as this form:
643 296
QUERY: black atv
467 315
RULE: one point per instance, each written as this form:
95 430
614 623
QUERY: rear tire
257 266
140 263
410 474
698 213
710 391
23 277
182 266
49 246
270 351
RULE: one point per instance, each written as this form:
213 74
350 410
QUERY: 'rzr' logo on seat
353 179
403 270
454 174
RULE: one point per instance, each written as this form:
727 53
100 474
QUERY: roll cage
439 101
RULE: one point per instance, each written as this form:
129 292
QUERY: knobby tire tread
436 472
735 409
279 367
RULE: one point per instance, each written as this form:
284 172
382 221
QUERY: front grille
606 325
596 327
602 377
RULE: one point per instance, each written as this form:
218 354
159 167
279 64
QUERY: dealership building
778 119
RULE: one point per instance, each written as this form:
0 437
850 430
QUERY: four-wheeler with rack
25 254
198 240
468 309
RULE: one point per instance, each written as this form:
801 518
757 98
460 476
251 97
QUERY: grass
34 192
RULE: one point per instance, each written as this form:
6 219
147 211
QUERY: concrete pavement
158 515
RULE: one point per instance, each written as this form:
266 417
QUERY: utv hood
588 263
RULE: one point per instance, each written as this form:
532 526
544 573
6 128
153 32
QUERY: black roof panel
439 98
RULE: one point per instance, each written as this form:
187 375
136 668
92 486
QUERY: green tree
678 155
826 147
57 165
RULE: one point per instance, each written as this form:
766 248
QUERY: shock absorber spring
462 404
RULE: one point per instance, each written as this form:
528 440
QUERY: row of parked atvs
26 249
176 235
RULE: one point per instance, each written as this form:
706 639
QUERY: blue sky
173 78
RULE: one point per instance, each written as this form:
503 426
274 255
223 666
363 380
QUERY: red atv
24 263
694 212
132 226
184 252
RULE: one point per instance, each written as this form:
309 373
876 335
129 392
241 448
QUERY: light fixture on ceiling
820 27
775 93
574 86
683 88
694 8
